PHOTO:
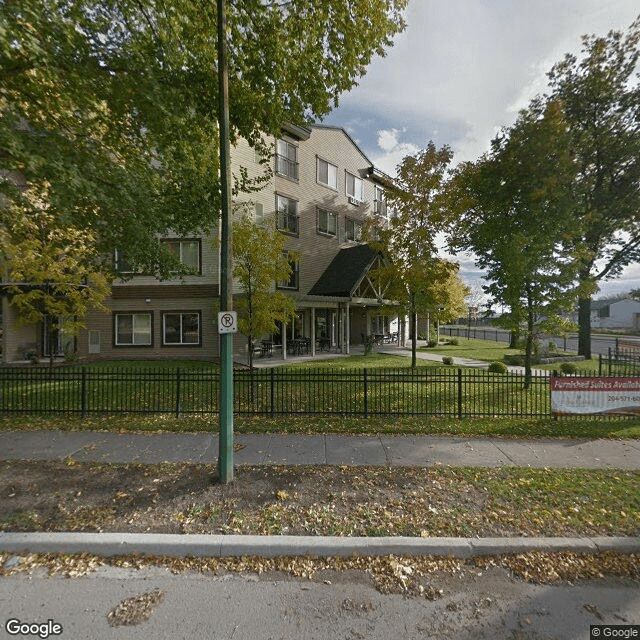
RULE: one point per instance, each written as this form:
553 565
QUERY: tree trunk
52 338
414 331
529 346
251 383
584 327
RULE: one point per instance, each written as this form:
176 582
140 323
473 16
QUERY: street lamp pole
225 458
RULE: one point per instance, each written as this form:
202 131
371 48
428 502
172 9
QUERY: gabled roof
346 134
344 274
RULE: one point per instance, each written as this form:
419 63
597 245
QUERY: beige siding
17 338
104 324
316 250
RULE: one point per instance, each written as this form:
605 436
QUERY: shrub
447 360
497 367
568 367
454 341
432 343
551 346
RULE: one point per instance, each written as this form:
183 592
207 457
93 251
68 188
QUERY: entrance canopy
347 276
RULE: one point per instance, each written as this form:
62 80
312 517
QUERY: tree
600 98
260 261
512 207
112 103
417 278
54 271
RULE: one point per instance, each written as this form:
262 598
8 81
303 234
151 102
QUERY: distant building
616 313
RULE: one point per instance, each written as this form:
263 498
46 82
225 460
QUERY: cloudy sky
462 70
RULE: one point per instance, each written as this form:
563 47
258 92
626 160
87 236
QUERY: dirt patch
342 501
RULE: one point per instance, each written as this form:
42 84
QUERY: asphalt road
334 605
600 344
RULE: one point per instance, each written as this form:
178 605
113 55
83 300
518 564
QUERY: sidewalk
322 449
329 449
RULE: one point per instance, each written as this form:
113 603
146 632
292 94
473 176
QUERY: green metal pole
225 459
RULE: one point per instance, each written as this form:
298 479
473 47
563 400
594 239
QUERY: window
287 220
133 329
188 251
123 266
292 282
327 174
94 341
380 202
327 222
353 229
287 159
355 187
181 328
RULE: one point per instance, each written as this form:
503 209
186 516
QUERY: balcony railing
286 167
380 208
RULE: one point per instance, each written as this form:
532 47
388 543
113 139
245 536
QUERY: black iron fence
620 361
277 391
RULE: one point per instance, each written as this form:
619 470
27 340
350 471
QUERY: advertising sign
595 396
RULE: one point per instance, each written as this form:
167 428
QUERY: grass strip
348 425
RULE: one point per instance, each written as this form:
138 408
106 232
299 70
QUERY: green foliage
600 95
113 105
497 367
259 261
512 214
568 368
417 278
54 272
448 360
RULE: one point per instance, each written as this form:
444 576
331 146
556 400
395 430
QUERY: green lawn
475 349
503 427
372 361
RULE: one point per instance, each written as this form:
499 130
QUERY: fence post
459 393
272 376
599 364
366 393
84 395
178 392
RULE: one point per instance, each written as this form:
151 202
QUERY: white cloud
462 70
390 150
467 67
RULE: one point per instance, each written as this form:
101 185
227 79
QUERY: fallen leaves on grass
322 500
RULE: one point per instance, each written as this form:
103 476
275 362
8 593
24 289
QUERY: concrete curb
220 546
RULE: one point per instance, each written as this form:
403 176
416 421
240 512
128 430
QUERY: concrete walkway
457 361
322 449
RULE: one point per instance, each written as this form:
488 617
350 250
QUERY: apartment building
322 190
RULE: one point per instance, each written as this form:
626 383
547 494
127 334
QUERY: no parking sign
227 322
